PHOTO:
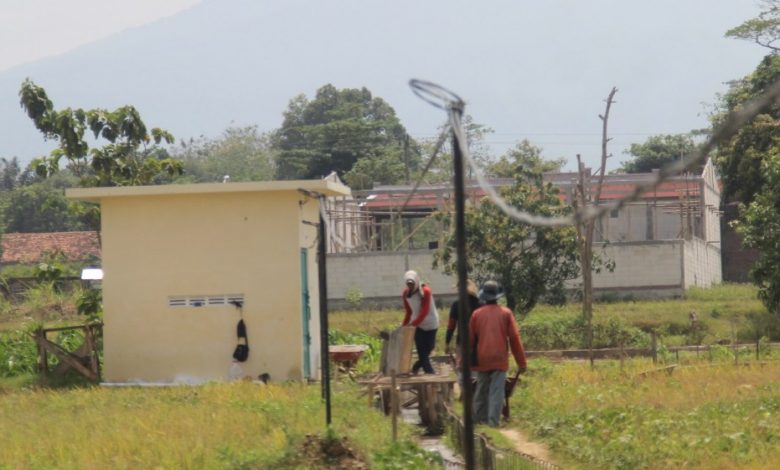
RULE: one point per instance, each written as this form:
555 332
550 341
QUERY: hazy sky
35 29
535 69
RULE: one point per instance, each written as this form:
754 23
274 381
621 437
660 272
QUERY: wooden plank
63 366
397 351
66 356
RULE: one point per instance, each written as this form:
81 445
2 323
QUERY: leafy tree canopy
442 168
658 151
243 153
337 130
10 172
740 159
530 262
763 30
42 207
132 156
524 158
759 226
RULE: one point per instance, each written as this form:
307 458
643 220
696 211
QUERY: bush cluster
544 333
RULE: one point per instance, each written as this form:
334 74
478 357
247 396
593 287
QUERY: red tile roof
30 247
611 191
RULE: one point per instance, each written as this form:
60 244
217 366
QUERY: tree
129 158
336 130
42 207
658 151
586 197
243 153
442 168
10 171
759 225
740 159
749 162
523 157
531 262
763 30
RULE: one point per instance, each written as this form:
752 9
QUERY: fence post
758 349
654 343
394 404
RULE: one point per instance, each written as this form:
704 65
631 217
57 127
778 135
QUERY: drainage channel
451 460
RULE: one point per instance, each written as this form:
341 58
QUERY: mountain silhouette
527 69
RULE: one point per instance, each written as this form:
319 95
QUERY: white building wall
652 269
379 275
702 263
641 266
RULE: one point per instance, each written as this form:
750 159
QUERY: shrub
18 353
354 297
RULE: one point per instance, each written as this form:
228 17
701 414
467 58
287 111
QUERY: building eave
326 187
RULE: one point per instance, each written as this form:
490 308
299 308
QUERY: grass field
233 426
725 312
709 416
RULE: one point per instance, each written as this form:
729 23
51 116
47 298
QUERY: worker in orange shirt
491 328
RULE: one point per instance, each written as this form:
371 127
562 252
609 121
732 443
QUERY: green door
305 312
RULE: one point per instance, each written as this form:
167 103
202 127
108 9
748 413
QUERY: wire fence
489 457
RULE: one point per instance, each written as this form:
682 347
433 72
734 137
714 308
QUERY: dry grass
237 425
719 416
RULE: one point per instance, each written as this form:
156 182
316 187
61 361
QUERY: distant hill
527 69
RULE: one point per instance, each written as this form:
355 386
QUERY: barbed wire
447 100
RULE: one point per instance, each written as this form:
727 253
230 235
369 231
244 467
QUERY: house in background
174 258
22 252
662 244
30 248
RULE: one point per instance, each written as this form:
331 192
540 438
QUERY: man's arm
452 324
515 343
408 309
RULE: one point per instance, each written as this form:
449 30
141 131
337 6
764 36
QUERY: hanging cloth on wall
241 353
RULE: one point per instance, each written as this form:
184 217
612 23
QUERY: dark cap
491 290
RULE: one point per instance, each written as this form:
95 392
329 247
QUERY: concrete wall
703 266
645 269
650 267
379 276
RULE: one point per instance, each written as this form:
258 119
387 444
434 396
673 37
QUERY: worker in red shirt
420 313
491 328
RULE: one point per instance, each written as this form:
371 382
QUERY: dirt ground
525 446
317 452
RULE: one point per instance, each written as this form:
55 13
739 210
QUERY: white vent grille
204 300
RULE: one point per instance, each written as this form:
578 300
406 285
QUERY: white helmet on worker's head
412 280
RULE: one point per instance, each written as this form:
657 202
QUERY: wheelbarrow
509 387
346 355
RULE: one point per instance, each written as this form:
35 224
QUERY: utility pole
323 288
463 302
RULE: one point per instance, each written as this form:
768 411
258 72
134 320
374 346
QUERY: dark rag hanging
242 349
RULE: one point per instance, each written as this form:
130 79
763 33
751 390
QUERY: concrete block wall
703 265
647 265
379 276
645 269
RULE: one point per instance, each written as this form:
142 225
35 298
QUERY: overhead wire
450 102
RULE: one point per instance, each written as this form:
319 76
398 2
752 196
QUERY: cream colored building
175 256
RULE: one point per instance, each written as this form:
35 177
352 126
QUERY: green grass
725 312
720 416
235 425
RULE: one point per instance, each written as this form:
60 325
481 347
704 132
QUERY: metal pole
323 288
463 303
